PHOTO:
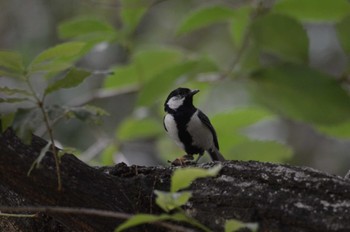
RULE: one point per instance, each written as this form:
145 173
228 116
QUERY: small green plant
233 225
172 201
54 67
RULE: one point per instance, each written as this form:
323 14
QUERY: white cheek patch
175 102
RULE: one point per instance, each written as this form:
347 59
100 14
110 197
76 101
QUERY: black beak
193 92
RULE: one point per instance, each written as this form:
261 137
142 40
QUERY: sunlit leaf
313 10
276 34
205 17
139 219
73 78
64 50
172 200
182 178
53 67
301 93
233 225
132 129
57 58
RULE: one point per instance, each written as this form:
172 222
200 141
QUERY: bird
188 126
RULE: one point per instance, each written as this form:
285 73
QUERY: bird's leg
188 157
199 156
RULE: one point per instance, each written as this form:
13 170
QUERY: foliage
235 225
268 60
173 200
58 60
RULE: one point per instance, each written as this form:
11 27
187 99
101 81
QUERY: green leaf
150 62
73 78
122 76
131 13
282 36
132 129
301 93
7 120
60 51
265 151
341 130
233 225
163 81
11 61
87 29
170 200
205 17
313 10
11 91
228 125
37 161
86 113
52 67
239 24
182 178
139 219
58 56
145 65
12 100
343 32
240 118
108 155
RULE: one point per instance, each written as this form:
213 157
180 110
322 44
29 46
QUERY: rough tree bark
278 197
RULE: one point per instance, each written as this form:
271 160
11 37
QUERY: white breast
201 135
170 125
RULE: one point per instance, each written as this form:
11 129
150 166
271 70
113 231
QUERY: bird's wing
164 123
206 122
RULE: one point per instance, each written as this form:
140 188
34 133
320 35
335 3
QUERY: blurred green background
273 76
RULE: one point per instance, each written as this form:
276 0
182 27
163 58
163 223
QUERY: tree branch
278 197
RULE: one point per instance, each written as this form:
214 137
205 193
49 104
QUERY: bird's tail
215 155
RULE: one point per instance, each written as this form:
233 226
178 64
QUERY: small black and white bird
189 127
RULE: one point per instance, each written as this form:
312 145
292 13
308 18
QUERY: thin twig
40 103
245 42
84 211
17 215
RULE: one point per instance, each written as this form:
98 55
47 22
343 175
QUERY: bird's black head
178 98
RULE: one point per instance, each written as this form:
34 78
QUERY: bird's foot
183 161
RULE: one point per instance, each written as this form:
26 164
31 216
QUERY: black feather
206 122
